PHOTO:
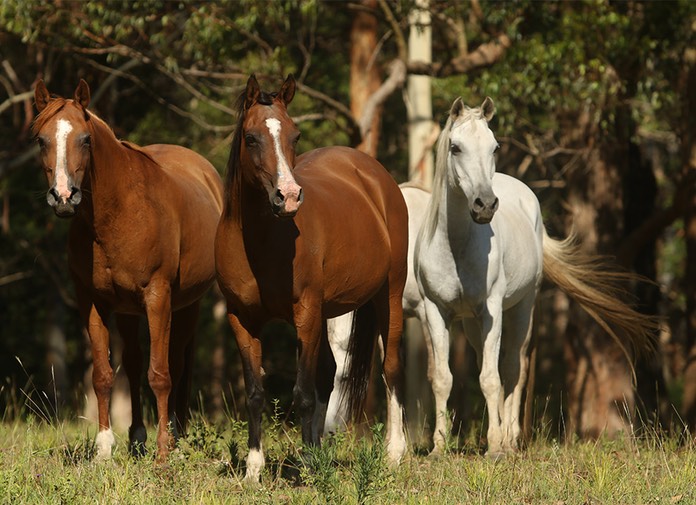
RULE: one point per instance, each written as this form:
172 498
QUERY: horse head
61 130
267 147
471 159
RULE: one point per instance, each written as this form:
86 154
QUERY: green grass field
42 462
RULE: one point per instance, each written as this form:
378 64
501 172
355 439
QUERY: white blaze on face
61 177
284 173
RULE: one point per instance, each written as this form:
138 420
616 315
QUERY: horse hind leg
389 313
133 364
338 334
326 375
181 358
517 332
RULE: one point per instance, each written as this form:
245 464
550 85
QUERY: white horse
339 328
480 257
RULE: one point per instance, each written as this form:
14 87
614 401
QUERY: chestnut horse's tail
588 280
361 347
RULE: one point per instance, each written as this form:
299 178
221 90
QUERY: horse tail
361 347
598 289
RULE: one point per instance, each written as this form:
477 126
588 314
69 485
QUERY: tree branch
485 55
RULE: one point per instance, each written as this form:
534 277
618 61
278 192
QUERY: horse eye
41 141
87 140
497 148
454 149
250 140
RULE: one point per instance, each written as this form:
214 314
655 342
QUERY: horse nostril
300 196
478 204
495 204
75 195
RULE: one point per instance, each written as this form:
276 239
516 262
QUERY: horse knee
160 383
103 382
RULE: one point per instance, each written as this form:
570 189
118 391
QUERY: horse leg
251 355
517 333
133 363
338 330
437 338
181 356
390 321
102 373
489 376
159 316
326 370
309 328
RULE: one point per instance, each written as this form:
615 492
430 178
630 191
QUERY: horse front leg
437 338
158 304
309 331
102 378
251 354
489 376
133 363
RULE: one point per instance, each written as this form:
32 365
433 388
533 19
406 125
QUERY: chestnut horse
141 242
303 240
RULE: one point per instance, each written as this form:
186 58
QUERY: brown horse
141 242
303 240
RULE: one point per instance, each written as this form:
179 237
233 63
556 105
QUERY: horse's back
194 173
355 210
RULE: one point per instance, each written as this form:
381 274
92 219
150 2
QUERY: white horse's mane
441 172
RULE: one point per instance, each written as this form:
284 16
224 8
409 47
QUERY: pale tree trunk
364 72
689 162
422 131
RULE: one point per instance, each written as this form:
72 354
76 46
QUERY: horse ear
488 108
82 95
457 108
287 90
41 95
252 92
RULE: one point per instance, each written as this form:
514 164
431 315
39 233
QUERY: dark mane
235 149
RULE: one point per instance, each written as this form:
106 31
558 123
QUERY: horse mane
233 162
58 103
441 175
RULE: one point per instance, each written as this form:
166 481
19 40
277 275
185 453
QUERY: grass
52 462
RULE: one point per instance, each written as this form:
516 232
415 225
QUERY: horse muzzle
62 206
286 202
483 210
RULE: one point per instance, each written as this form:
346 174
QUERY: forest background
596 111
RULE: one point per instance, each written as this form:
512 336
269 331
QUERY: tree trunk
600 394
422 131
689 163
364 72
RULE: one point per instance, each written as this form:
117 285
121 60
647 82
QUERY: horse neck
109 174
450 213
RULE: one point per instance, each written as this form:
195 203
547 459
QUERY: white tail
589 280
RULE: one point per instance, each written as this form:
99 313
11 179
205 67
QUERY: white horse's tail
589 281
